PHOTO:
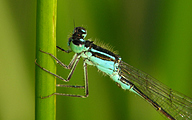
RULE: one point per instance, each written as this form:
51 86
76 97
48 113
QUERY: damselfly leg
84 87
72 65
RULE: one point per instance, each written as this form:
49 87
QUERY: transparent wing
174 103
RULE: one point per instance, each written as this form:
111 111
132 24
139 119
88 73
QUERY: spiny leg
70 86
67 51
66 80
50 72
86 79
70 74
62 64
84 87
72 65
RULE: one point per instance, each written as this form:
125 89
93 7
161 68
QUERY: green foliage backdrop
153 36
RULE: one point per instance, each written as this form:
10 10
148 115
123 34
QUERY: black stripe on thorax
101 56
98 55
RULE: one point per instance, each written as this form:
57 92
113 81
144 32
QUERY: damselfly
168 102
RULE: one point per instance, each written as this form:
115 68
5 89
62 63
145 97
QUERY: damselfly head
79 32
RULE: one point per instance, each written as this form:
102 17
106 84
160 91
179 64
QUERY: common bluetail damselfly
168 102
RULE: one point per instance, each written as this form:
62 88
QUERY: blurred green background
153 36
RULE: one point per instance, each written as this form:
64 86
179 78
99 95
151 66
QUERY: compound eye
79 32
84 33
82 30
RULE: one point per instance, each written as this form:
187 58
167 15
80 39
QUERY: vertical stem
45 109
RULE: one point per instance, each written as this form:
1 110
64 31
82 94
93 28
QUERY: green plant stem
45 109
